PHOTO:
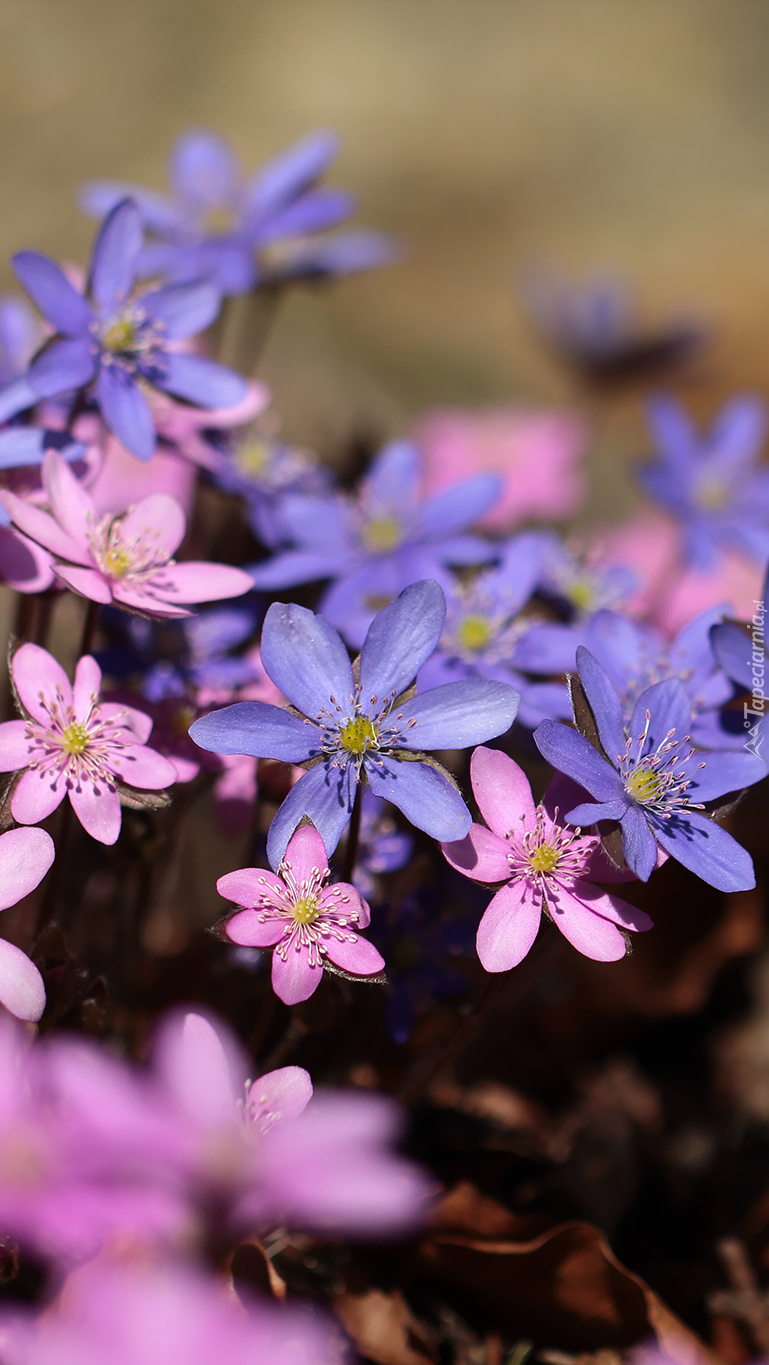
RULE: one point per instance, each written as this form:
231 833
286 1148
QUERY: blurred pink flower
125 559
535 451
25 857
71 744
302 918
123 480
24 565
185 427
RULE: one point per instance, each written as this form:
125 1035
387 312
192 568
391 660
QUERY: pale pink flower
72 744
123 481
186 427
535 451
25 857
544 865
126 559
302 918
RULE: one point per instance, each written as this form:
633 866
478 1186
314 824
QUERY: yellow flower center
544 858
358 735
120 335
306 909
253 457
74 740
644 785
581 594
381 534
474 633
712 495
117 561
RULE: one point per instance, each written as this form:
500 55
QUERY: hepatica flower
71 744
127 559
349 729
647 776
118 341
544 867
715 486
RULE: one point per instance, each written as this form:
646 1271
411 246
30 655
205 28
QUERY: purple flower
264 470
271 220
716 487
382 847
544 867
361 728
579 583
117 341
72 744
125 559
301 918
646 776
377 543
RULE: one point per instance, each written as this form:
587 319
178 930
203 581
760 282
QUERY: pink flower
123 480
536 452
544 865
185 426
24 565
25 857
302 918
71 744
126 559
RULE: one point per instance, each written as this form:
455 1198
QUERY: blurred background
491 134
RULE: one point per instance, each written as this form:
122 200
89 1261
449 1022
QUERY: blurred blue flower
382 847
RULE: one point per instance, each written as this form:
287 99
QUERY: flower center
120 333
581 593
253 457
644 785
358 734
712 495
306 909
381 534
545 858
474 633
74 739
117 560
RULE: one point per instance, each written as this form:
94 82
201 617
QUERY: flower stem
353 835
89 629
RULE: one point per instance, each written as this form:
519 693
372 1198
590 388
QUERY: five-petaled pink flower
127 559
544 865
72 744
301 917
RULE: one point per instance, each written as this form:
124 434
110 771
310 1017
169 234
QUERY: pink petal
138 722
144 767
360 957
199 581
331 901
98 811
501 789
25 857
24 565
44 529
14 748
281 1094
87 685
202 1069
509 926
248 884
306 853
22 991
35 797
481 855
36 671
611 907
138 600
87 582
67 499
294 980
186 769
160 518
586 931
250 931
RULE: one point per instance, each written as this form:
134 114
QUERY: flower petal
294 979
360 957
723 772
733 648
61 367
202 382
69 502
204 170
326 795
509 926
501 789
277 1095
201 1070
669 709
202 581
306 659
35 797
247 885
42 527
611 907
249 929
256 728
183 309
574 755
306 853
87 583
459 506
97 808
115 253
15 749
604 703
143 767
37 674
48 286
457 715
708 851
638 843
400 640
480 855
291 171
126 411
424 795
589 812
25 857
87 685
22 991
159 518
24 565
586 931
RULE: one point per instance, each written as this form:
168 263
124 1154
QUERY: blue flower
269 220
716 486
351 728
382 847
263 470
117 341
648 778
578 583
375 544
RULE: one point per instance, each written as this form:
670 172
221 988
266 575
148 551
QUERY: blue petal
21 446
115 253
723 772
392 481
638 843
50 289
673 434
292 171
459 506
733 648
400 639
604 703
738 434
343 254
424 795
204 170
306 659
326 795
691 652
296 566
98 197
184 309
669 709
708 851
61 367
589 813
549 648
457 715
574 755
201 381
324 524
622 647
315 211
126 411
258 729
16 397
19 336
